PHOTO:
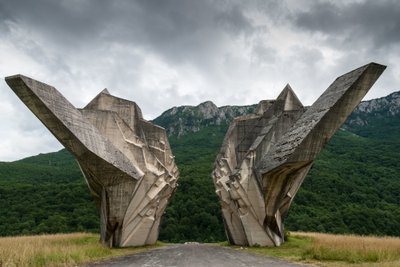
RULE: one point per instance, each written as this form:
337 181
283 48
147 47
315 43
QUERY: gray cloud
177 30
164 53
367 22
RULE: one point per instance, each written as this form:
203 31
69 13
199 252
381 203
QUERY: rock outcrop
379 108
187 119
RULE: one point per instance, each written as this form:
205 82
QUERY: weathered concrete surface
265 156
126 160
194 256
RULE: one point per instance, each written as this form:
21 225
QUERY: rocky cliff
185 119
376 118
387 106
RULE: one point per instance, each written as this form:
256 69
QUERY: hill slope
45 194
352 188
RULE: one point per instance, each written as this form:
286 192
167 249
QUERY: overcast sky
165 53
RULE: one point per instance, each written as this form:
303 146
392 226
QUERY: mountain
181 120
352 188
190 119
377 118
387 106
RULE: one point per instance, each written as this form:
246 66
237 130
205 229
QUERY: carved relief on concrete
265 156
126 160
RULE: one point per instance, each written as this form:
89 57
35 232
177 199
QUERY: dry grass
356 250
319 249
56 250
337 250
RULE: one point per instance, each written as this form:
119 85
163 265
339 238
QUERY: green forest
353 187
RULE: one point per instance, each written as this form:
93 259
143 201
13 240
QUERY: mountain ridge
391 101
192 118
376 118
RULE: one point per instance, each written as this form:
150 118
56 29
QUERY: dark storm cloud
68 23
4 19
178 29
375 23
262 54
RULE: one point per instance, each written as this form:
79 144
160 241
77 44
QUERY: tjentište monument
265 156
126 160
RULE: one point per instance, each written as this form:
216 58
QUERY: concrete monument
126 160
265 156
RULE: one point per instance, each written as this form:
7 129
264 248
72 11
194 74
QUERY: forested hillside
352 188
45 194
355 183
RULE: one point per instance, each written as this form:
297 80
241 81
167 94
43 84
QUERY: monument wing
266 156
126 160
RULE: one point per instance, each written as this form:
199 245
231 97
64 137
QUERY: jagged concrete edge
32 89
367 74
343 106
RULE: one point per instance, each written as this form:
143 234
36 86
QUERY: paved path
194 255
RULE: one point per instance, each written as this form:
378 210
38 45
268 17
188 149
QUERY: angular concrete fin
263 105
285 166
317 125
287 100
128 110
105 91
67 124
95 101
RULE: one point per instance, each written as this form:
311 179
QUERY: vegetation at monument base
352 188
58 250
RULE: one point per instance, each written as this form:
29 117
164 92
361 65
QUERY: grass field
337 250
318 249
57 250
